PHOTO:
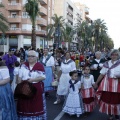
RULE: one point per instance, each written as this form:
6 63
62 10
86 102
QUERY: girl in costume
87 82
73 103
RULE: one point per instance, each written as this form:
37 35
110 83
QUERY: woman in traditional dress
108 92
67 66
96 65
88 94
33 72
7 104
48 61
73 103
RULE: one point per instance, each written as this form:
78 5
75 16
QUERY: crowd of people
85 79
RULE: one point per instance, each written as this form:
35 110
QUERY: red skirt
110 103
88 99
34 106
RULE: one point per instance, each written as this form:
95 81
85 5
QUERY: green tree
68 35
3 22
84 33
32 8
98 26
56 29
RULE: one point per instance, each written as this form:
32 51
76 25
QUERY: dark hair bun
73 72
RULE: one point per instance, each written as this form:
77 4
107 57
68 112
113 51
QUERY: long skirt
13 85
7 103
34 108
49 78
63 84
88 96
108 95
73 104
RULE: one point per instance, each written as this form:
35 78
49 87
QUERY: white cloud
108 10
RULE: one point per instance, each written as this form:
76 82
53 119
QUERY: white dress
13 85
73 104
64 78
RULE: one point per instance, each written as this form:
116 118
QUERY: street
54 112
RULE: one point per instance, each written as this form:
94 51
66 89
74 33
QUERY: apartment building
19 34
71 14
84 10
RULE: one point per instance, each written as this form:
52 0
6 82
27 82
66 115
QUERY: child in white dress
87 82
16 71
73 103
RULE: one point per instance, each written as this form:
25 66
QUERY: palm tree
68 34
32 8
98 26
3 22
56 29
82 32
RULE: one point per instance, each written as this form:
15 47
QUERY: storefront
13 41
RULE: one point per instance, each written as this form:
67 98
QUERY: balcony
69 18
26 20
70 11
38 32
14 19
43 2
43 11
14 31
41 22
87 11
14 7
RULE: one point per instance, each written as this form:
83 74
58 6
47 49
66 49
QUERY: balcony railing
43 11
41 21
69 10
69 18
14 6
15 29
14 19
43 2
38 31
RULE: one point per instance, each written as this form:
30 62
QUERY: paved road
53 111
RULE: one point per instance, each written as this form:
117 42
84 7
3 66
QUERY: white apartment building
72 14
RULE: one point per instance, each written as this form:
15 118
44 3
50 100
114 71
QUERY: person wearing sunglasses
33 72
108 92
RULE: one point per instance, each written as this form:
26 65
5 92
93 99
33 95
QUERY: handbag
25 90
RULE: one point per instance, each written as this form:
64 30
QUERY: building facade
20 25
72 13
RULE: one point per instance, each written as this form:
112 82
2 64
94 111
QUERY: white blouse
16 70
66 68
87 83
113 72
50 62
4 73
25 74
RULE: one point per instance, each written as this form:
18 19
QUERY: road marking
59 115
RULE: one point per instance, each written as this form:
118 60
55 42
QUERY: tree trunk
33 40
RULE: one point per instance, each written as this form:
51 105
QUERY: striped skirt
88 96
108 95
